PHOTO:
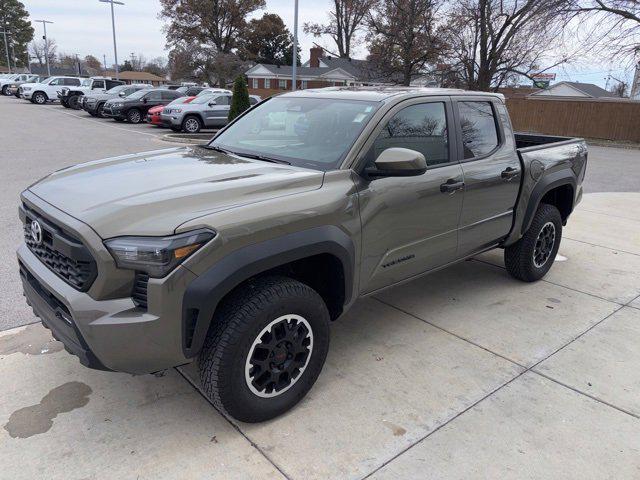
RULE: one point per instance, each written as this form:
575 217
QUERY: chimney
316 54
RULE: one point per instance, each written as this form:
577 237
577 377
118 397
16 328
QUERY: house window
282 84
304 84
267 83
254 82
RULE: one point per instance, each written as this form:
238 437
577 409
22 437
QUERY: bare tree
345 20
403 37
39 48
616 25
619 89
212 25
492 41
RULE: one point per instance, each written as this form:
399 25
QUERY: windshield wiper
254 156
264 158
217 149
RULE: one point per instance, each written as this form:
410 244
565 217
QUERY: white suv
48 90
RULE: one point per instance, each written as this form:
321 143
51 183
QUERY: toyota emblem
36 232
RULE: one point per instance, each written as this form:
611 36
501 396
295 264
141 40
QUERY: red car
153 115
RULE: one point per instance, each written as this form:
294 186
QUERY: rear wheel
531 257
265 349
40 98
134 115
191 124
4 89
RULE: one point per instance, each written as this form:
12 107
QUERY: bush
240 99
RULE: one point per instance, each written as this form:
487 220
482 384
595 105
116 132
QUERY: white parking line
51 107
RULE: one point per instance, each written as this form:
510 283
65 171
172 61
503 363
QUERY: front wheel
74 102
100 111
4 90
40 98
265 348
531 257
191 124
134 115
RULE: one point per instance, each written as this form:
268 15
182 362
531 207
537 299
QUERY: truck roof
382 93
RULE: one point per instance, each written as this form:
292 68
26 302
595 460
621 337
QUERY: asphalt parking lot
463 374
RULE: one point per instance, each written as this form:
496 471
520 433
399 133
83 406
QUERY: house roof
140 76
287 71
589 89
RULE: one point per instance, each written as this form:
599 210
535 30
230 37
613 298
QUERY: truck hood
152 193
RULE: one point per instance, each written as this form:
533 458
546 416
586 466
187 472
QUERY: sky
84 27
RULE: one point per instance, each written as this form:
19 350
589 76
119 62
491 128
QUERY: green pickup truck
239 253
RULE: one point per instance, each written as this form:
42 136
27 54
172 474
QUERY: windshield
116 89
204 98
138 94
306 132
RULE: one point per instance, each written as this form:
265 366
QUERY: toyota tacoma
239 253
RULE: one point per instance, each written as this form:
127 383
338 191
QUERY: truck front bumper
111 334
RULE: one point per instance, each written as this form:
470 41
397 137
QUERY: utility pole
104 60
294 76
46 44
78 65
113 26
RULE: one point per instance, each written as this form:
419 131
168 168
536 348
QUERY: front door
217 111
409 224
492 173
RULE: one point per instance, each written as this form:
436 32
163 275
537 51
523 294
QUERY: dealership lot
463 374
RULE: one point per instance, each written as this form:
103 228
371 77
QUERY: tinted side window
56 81
422 128
222 100
74 82
479 132
98 84
153 96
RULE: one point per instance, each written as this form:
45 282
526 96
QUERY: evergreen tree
240 99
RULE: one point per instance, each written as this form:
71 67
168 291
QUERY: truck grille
65 255
139 294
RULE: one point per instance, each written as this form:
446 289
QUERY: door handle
451 185
509 173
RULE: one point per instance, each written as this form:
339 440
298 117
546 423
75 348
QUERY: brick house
318 72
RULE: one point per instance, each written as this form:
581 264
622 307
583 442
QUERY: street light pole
46 44
113 27
294 76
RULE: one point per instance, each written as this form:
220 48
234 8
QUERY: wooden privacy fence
606 119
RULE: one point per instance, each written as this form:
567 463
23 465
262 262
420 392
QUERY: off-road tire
39 98
191 124
74 102
134 116
237 323
519 257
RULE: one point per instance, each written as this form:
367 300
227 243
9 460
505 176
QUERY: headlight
177 110
156 256
26 89
117 105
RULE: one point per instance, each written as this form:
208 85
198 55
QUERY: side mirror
398 162
122 94
144 100
212 103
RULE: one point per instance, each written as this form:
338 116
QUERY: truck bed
527 140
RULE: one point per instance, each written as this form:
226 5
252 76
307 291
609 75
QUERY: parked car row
186 108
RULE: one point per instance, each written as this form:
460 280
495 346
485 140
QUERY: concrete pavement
463 374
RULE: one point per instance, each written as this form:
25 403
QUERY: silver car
205 111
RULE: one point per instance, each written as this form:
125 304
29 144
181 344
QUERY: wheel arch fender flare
546 184
203 294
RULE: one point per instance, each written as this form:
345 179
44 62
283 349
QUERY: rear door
491 170
409 224
153 98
